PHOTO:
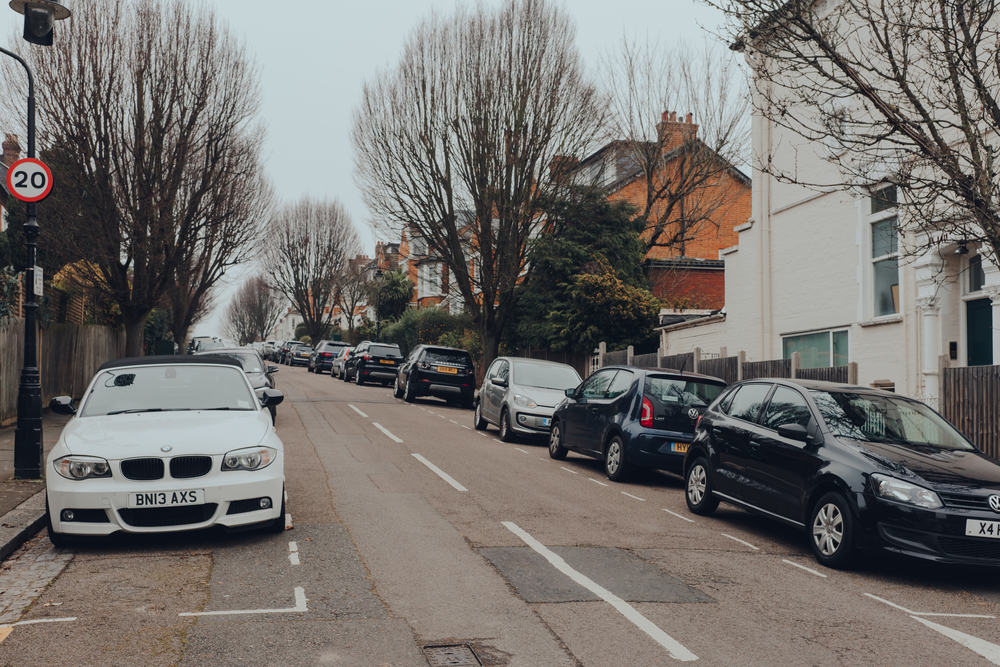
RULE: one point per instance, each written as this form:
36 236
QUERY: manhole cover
451 655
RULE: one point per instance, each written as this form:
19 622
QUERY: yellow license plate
445 369
386 361
680 447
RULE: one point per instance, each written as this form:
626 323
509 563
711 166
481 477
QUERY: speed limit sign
29 180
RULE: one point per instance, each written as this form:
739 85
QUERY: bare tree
253 312
687 163
152 106
454 142
903 92
237 323
352 291
309 244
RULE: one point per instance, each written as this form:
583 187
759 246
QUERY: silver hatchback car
519 395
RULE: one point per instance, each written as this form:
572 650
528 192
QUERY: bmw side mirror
794 432
271 397
62 405
272 369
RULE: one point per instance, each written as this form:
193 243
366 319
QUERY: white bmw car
164 444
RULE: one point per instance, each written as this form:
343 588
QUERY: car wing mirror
62 405
571 393
272 369
271 397
794 432
500 382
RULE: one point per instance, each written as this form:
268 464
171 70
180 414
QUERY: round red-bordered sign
29 180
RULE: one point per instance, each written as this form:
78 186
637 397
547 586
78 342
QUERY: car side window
620 384
786 407
504 371
597 384
494 369
748 401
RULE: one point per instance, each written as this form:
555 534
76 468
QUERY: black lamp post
39 17
378 306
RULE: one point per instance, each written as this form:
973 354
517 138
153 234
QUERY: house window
818 350
885 266
977 277
884 199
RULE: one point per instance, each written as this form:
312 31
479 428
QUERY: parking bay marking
358 411
386 431
293 555
924 613
568 470
631 496
679 516
521 450
440 473
736 539
673 647
989 651
803 567
596 482
300 606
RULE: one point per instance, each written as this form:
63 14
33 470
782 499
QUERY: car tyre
698 489
478 420
311 369
506 433
58 540
831 532
397 392
278 525
616 465
357 377
409 395
556 449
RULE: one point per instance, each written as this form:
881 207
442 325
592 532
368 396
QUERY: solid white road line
736 539
803 567
440 473
924 613
386 431
636 497
358 411
673 647
300 606
568 470
596 482
989 651
679 516
293 555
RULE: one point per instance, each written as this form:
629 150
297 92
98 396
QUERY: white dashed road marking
386 431
568 470
440 473
358 411
293 555
631 496
40 620
803 567
673 647
736 539
300 606
679 516
453 422
923 613
466 427
521 450
596 482
288 521
989 651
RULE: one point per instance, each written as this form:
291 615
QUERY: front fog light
248 459
82 467
67 515
265 503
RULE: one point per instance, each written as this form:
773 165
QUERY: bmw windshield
168 388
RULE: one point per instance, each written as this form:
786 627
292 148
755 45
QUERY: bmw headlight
82 467
523 401
904 492
252 458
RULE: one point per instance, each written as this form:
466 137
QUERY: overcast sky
315 56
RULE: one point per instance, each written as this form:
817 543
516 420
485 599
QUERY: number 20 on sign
29 180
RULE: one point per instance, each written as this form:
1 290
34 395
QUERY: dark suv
323 355
430 370
373 362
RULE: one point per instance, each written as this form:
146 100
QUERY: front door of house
979 321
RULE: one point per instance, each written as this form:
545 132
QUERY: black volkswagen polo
856 468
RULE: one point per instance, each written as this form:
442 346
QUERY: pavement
22 501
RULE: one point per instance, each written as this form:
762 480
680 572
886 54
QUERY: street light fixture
39 17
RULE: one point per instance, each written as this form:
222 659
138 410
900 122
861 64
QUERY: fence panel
835 374
11 360
774 368
678 362
619 358
971 401
578 360
645 360
724 368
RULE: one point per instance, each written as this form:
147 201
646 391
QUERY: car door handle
755 444
594 409
717 432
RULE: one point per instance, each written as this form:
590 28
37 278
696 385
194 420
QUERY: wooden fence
646 360
840 374
69 355
970 399
774 368
724 368
618 358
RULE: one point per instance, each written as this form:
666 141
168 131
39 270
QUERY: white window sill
885 319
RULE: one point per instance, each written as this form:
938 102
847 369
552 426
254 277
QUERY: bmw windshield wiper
215 408
120 412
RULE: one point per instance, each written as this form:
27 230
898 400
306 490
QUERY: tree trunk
179 332
491 347
135 327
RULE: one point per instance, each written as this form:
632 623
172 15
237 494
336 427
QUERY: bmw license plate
977 528
166 498
679 447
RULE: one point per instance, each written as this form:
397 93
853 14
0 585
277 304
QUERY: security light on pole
39 18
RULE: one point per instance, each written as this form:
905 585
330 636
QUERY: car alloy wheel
697 485
832 531
397 391
556 450
698 489
506 434
408 394
616 466
828 529
357 377
477 418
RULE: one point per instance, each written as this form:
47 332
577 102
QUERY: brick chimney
11 150
671 132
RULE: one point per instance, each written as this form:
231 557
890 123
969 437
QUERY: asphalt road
412 530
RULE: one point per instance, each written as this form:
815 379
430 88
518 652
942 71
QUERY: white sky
315 56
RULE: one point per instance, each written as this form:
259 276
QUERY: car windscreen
677 402
168 388
452 357
544 376
250 362
886 419
384 351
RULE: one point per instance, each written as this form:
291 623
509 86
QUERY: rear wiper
120 412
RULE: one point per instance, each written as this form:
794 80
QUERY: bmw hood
942 468
147 433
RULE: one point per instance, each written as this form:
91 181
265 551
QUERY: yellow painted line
4 633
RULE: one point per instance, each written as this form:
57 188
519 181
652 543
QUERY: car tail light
326 354
647 414
367 357
696 422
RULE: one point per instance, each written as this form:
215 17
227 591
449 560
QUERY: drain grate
451 655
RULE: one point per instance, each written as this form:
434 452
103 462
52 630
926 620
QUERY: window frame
763 404
829 333
873 216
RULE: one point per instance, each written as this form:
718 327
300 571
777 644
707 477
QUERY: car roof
666 371
444 347
823 385
171 360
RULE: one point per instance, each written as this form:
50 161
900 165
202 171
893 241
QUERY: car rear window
385 350
675 400
303 348
452 357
